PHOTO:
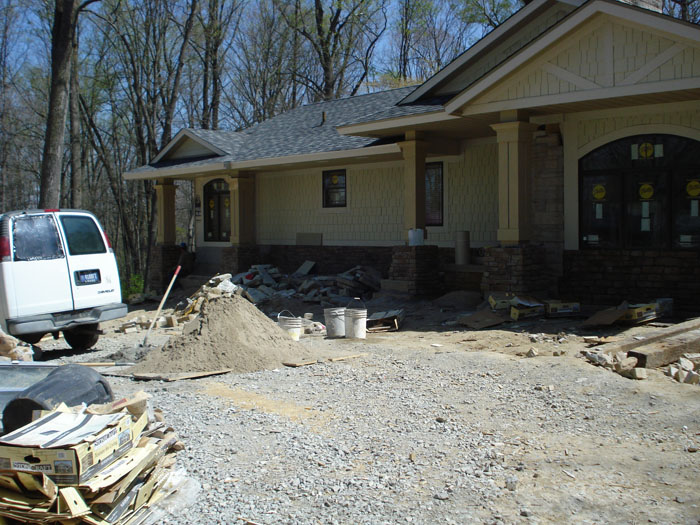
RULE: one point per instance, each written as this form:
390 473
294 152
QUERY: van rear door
94 277
39 267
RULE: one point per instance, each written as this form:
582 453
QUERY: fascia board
399 122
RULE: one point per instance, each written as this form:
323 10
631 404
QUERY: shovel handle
160 306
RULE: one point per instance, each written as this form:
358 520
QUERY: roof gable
513 34
192 144
604 50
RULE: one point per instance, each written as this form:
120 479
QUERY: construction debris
263 282
109 464
388 321
686 369
622 363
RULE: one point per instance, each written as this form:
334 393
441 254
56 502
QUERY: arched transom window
217 211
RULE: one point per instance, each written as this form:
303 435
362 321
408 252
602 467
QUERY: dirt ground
583 444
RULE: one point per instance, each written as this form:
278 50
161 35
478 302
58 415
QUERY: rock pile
620 362
264 281
685 370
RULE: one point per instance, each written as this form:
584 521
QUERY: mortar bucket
291 325
356 321
335 322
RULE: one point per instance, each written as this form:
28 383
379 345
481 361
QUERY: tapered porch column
514 143
414 151
242 208
165 208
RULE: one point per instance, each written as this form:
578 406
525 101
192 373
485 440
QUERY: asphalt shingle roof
296 132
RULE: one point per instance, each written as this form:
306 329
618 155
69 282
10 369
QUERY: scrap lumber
388 321
481 319
114 494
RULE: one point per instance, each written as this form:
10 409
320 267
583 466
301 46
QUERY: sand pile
233 334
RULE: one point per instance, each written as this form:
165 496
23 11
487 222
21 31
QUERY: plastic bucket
291 325
335 322
356 321
415 237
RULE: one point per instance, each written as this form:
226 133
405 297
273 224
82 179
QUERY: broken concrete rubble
685 370
263 282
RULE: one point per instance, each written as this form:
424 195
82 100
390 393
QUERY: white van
58 273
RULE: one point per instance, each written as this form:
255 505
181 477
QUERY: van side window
35 238
82 235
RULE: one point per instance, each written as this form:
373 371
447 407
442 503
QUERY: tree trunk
61 51
76 179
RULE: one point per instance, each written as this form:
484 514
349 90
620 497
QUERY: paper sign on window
598 210
693 208
646 191
693 188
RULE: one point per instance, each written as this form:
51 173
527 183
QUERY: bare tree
343 35
64 21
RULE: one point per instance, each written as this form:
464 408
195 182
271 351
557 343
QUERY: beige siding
471 200
290 203
589 130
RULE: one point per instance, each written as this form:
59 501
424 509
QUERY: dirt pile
233 334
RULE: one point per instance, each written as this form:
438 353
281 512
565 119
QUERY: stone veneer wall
164 260
329 259
547 198
612 276
518 269
418 268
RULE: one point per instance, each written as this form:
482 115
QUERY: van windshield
35 238
82 235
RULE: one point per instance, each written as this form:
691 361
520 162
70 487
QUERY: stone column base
414 270
518 269
164 258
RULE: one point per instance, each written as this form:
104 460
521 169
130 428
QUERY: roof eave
386 125
286 161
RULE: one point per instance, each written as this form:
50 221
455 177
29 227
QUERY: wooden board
296 364
346 357
177 376
606 317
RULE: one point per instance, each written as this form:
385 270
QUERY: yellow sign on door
693 188
599 192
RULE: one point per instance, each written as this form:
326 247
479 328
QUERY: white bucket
291 325
356 321
335 322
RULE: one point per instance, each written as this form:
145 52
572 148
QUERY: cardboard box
638 313
500 301
561 309
517 313
70 448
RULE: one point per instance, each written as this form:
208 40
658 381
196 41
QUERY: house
566 143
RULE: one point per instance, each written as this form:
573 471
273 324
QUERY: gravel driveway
411 434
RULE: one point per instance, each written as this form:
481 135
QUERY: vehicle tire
31 339
81 338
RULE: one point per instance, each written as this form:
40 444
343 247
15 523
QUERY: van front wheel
82 338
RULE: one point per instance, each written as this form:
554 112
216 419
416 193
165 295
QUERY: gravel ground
418 434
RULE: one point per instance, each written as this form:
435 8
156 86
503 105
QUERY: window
641 192
334 195
82 235
35 238
433 194
217 211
